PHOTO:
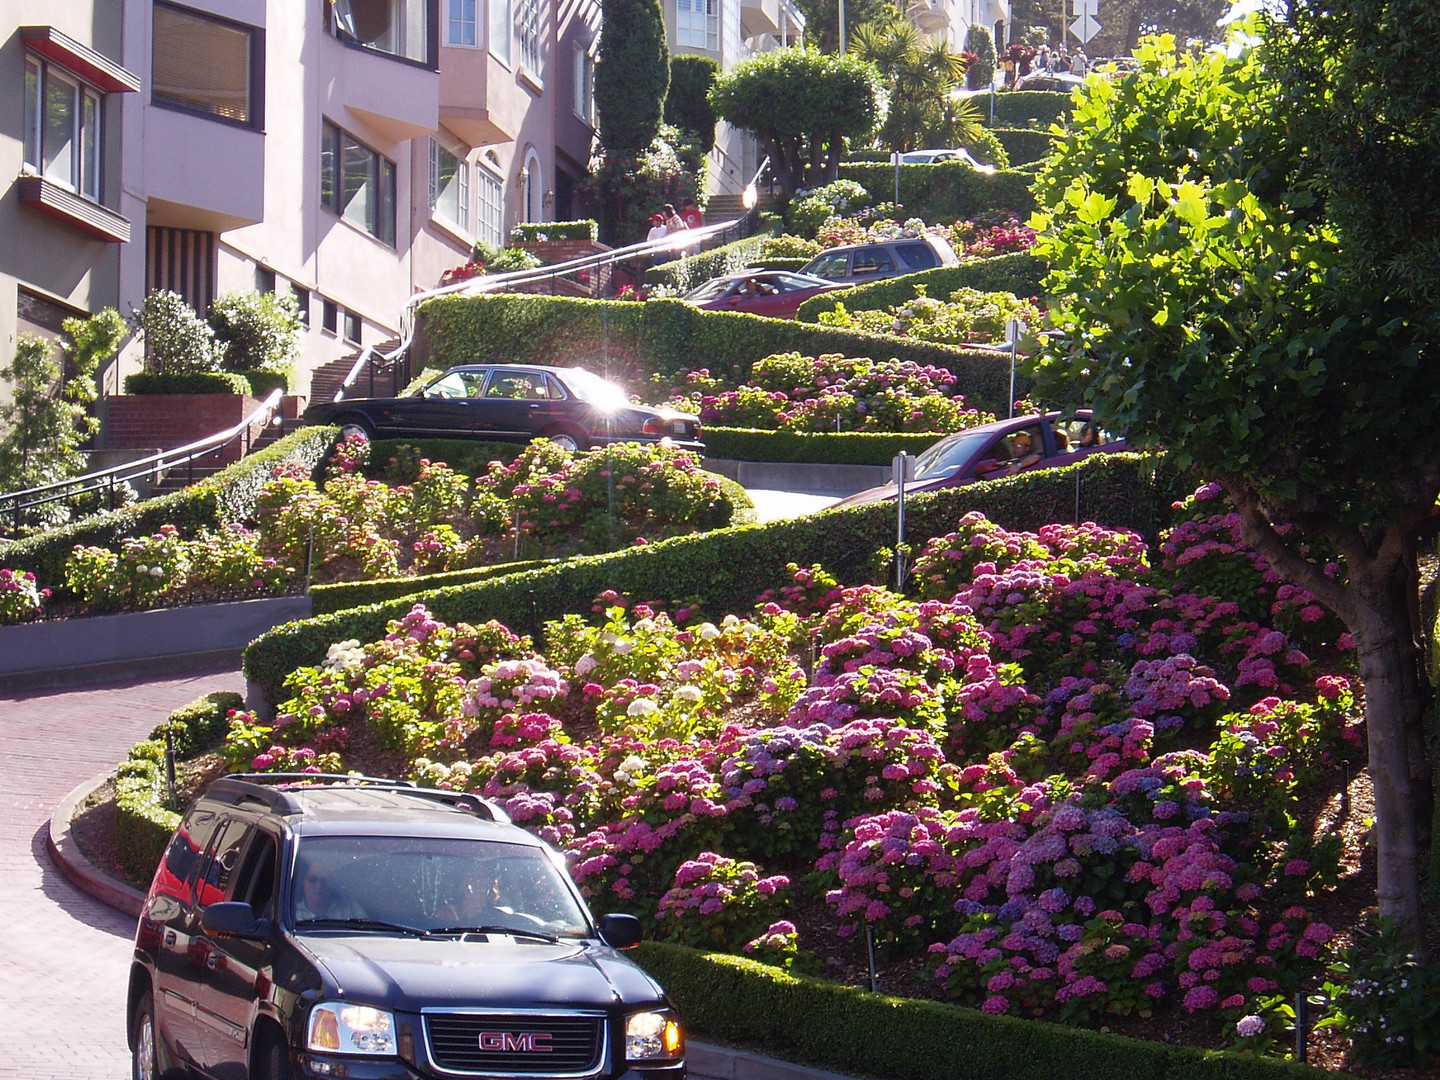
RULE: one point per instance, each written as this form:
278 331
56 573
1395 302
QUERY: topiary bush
177 341
946 189
1020 273
187 382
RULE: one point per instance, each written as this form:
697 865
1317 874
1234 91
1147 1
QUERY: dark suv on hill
304 926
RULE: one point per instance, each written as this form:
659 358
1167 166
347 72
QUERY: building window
398 27
527 29
64 130
181 261
490 208
584 85
330 317
500 29
462 23
697 24
357 183
302 301
352 327
206 65
449 186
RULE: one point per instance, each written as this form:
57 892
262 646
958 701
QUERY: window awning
98 70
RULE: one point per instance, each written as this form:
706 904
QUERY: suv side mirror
620 931
234 918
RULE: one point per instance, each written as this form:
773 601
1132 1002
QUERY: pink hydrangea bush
21 598
719 903
1070 783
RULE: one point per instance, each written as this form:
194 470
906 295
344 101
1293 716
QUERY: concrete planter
69 650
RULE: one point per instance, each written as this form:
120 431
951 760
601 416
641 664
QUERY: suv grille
525 1044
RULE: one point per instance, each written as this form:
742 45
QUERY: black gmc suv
304 926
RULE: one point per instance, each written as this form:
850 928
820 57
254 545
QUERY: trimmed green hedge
631 341
841 448
344 595
1018 108
729 568
847 1029
262 382
229 495
946 190
1024 145
143 823
189 382
692 270
780 262
1020 273
532 232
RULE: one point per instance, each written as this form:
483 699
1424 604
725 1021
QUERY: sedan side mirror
620 931
234 918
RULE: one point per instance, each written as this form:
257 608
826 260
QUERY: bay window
357 183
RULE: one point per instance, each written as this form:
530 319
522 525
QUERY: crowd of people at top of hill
1019 61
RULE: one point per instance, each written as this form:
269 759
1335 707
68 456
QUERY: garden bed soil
847 961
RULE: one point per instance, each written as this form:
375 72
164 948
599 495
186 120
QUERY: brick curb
75 866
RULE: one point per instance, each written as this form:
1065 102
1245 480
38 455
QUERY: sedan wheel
566 440
145 1059
354 429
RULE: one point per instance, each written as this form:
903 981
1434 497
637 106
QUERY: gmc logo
525 1042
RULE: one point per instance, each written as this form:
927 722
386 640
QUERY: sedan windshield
711 290
422 885
949 454
602 393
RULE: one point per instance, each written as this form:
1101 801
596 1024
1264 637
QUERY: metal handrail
489 283
16 502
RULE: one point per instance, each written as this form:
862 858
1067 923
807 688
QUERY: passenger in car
320 898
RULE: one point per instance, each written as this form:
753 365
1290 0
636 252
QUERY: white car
930 157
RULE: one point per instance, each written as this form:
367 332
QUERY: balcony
929 16
382 66
477 113
216 190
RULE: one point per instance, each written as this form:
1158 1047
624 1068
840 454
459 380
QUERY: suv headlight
653 1035
337 1027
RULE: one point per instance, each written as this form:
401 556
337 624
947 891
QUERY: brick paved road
64 955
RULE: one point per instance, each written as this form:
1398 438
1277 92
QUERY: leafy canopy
802 105
1203 302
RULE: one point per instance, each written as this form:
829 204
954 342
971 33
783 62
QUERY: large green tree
632 75
1210 300
822 19
1124 22
802 105
688 106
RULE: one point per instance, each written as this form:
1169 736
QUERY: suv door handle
212 959
169 937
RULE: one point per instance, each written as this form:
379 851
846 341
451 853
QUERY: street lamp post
842 27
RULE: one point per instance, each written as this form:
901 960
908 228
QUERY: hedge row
727 569
847 1029
1019 108
143 823
1020 273
841 448
188 382
631 341
229 495
946 190
1024 145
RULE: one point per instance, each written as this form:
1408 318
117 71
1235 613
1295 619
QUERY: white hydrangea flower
642 706
708 631
623 647
688 693
586 664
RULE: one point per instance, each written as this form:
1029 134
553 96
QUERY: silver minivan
855 263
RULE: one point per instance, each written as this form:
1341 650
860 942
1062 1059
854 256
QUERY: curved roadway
64 955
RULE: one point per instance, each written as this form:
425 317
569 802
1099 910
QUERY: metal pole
842 26
170 769
1014 346
1302 1021
897 178
870 948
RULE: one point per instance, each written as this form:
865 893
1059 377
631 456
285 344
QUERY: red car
1000 449
777 293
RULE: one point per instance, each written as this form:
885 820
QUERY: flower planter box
66 650
596 280
135 421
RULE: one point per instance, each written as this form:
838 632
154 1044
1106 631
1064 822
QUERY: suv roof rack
281 792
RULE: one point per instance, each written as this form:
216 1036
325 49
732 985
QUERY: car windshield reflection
432 886
947 455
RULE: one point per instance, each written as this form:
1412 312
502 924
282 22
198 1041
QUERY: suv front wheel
272 1061
144 1055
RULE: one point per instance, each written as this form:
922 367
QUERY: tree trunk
1395 703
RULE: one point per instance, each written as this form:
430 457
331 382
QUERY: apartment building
348 151
952 19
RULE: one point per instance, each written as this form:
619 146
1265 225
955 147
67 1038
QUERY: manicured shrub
946 189
187 382
1019 273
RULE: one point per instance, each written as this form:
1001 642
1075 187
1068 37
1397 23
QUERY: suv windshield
421 883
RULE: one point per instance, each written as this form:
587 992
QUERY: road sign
1085 27
1086 7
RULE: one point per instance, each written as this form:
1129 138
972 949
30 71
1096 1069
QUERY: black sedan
514 403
